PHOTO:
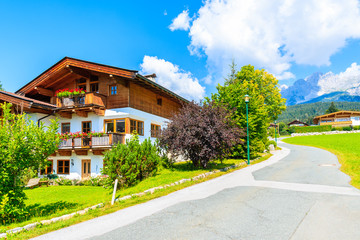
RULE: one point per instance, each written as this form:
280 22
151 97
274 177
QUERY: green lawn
345 146
52 201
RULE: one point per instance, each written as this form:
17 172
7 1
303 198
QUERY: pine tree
332 108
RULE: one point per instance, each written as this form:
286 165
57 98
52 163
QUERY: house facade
339 119
113 103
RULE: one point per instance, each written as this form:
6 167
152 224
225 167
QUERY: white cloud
181 22
283 87
173 78
270 34
349 81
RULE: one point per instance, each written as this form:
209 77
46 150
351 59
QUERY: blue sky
189 59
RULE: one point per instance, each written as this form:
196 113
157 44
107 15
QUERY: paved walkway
297 194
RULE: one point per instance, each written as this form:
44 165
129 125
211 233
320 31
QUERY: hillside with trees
306 112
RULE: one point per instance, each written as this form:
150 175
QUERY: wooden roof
297 122
28 104
65 63
62 69
337 113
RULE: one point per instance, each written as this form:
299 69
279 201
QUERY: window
109 126
63 167
113 90
137 126
86 127
94 87
155 130
65 127
94 83
48 169
159 101
120 126
81 83
115 125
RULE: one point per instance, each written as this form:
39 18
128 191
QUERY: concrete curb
323 133
148 191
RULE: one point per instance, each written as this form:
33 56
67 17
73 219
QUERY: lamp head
247 98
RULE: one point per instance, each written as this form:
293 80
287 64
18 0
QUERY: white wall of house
97 123
75 169
355 121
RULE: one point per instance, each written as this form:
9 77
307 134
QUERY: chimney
151 77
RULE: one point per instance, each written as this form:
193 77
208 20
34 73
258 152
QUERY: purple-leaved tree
201 133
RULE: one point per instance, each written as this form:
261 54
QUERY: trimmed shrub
131 162
323 128
356 127
346 128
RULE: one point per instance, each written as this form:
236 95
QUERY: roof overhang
63 67
27 104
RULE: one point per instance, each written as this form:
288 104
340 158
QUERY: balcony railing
336 123
107 140
81 101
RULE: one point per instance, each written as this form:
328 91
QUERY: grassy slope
52 201
345 146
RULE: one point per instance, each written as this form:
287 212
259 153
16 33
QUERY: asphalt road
297 194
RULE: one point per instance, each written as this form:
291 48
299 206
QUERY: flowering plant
69 92
95 134
66 136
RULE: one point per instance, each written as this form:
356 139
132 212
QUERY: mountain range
322 88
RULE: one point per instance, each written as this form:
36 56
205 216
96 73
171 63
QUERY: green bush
323 128
131 162
346 128
356 127
64 182
271 142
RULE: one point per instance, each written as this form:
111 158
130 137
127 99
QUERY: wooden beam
58 79
99 151
64 152
81 113
99 112
65 114
44 91
81 152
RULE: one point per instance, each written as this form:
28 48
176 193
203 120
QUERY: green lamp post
247 100
275 132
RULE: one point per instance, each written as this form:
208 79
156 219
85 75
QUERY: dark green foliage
131 162
323 128
347 128
306 112
332 108
356 127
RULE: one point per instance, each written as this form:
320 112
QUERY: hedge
323 128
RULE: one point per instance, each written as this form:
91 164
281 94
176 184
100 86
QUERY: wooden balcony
344 123
81 105
106 141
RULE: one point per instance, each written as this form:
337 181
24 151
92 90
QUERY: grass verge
345 146
170 176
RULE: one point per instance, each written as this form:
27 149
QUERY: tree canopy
265 104
23 144
201 133
332 108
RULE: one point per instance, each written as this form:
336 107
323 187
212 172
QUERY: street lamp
247 100
275 132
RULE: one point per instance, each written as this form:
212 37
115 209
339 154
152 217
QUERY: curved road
299 193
